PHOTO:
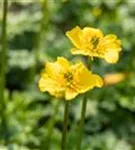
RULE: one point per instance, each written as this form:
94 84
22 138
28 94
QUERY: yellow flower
62 79
91 42
114 78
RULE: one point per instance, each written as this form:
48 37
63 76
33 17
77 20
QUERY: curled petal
85 80
76 51
51 86
98 79
111 56
75 35
54 70
111 41
70 94
64 63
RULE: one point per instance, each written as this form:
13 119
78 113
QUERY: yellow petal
111 56
76 51
84 79
110 37
63 62
74 35
92 32
53 69
51 86
110 41
98 79
45 84
70 94
92 81
57 68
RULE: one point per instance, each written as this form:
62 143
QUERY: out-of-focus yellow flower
97 11
91 42
114 78
62 79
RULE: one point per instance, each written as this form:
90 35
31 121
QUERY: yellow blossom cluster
67 80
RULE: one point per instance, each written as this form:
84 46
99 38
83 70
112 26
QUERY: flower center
68 77
94 41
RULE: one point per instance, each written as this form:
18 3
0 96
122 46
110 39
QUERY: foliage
110 121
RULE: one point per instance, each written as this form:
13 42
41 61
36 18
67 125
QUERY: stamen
68 76
94 41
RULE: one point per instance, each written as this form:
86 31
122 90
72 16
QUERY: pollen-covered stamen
68 77
94 41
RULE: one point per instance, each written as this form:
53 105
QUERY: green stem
43 22
65 124
81 126
3 69
39 37
51 125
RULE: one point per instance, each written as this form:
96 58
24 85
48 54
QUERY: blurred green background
36 34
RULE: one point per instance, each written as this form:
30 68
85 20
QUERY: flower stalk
65 125
3 70
81 126
39 36
51 125
43 22
83 112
